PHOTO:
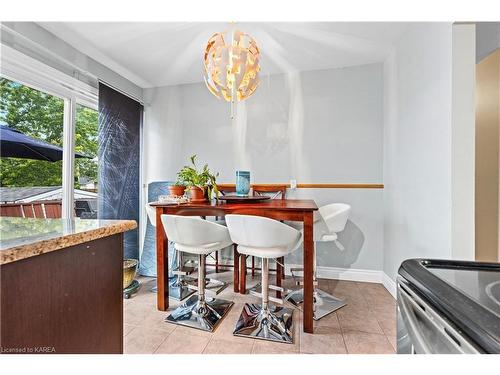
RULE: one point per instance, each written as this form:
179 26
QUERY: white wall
35 41
402 124
417 146
463 141
318 126
315 127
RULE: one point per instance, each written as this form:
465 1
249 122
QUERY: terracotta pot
176 190
197 194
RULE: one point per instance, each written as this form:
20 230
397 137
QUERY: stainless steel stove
448 307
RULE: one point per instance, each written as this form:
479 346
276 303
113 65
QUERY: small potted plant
177 189
200 183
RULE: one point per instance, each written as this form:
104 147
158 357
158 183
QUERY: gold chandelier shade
232 65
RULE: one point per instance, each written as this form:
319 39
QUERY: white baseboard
349 274
352 274
389 284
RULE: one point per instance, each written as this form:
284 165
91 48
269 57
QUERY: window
40 116
86 143
66 107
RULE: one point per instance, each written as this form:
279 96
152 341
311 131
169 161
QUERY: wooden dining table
279 209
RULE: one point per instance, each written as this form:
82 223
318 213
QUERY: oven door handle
410 319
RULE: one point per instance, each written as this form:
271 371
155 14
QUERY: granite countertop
22 238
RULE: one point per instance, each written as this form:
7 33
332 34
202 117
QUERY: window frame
30 72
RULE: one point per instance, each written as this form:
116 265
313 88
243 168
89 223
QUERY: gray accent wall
322 126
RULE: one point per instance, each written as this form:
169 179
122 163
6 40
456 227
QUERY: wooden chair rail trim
318 186
340 186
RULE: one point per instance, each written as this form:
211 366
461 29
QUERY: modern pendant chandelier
232 66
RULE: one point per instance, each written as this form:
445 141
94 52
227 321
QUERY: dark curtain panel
120 121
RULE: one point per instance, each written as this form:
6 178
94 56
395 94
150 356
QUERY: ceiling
159 54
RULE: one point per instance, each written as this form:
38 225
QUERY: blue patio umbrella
15 144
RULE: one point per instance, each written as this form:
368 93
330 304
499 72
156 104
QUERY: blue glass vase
242 183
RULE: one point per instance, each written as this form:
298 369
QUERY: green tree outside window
40 116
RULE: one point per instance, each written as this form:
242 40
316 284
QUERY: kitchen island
61 285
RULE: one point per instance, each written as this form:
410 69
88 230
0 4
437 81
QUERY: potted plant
177 189
201 183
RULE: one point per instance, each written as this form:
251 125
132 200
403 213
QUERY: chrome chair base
257 288
203 315
273 324
295 297
324 303
179 289
214 286
257 292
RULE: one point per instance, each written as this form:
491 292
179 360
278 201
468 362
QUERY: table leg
161 262
236 270
243 274
308 272
279 275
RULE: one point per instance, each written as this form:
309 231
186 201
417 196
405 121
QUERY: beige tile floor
366 325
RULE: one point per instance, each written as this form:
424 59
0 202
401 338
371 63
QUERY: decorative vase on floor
242 183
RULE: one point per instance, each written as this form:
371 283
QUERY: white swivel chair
267 239
331 220
178 285
200 237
